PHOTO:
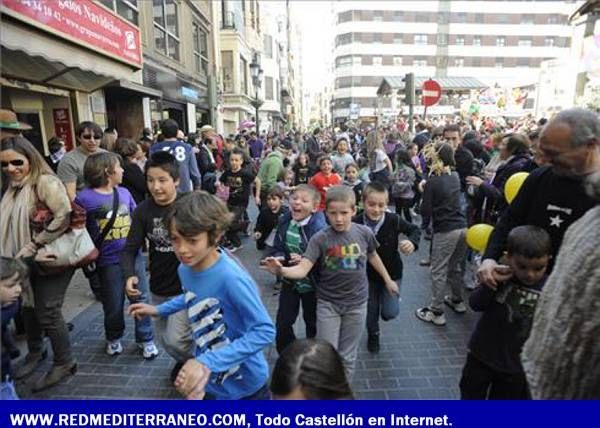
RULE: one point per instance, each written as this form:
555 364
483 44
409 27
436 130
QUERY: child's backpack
402 183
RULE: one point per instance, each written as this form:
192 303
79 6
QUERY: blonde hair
373 142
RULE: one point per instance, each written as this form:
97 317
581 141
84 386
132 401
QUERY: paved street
417 360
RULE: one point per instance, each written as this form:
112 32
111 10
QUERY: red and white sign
82 22
62 126
432 92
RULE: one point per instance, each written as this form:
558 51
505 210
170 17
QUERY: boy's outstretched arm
390 284
299 271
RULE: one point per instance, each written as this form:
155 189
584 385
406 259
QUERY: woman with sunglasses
31 184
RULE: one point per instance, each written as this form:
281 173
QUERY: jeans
113 301
46 315
342 326
287 312
380 302
174 332
481 382
447 256
403 207
7 391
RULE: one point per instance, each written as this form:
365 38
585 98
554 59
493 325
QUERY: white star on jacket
556 221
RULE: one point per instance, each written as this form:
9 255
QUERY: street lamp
257 76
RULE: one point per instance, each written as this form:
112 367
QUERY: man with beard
553 196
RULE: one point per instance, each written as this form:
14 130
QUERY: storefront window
166 27
227 70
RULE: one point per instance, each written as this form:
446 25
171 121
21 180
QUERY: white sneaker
149 350
458 307
427 315
114 347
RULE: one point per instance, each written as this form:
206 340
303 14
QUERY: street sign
432 92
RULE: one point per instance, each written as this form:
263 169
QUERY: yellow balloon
478 236
513 185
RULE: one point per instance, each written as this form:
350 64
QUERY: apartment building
500 43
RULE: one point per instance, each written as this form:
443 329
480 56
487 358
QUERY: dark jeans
480 382
287 312
381 302
46 315
113 301
233 233
403 208
7 313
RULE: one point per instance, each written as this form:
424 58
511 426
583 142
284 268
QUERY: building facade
501 43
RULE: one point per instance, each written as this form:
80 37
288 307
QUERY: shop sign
62 126
189 93
82 22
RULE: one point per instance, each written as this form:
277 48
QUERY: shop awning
32 56
135 88
393 84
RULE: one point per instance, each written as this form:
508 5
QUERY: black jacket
547 200
464 164
387 237
134 181
441 203
266 222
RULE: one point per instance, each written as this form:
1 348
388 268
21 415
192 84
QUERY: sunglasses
16 162
89 137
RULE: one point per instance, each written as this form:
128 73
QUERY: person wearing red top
324 179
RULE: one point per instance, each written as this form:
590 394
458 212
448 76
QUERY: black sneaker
373 343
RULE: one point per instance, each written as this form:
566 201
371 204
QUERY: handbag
90 269
74 248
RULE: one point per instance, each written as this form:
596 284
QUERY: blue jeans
113 301
380 302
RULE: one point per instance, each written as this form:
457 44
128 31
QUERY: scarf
15 220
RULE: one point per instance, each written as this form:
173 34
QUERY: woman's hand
474 181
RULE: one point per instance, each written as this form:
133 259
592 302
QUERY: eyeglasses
16 162
89 137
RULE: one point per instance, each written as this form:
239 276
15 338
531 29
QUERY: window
502 19
378 15
344 39
398 15
366 60
420 39
461 17
476 62
166 28
227 71
459 62
499 63
550 41
527 19
501 41
522 62
397 38
127 9
356 60
345 16
377 60
397 60
442 39
200 49
269 88
460 40
524 42
268 46
479 18
476 40
377 37
277 91
344 61
243 76
552 19
422 17
420 63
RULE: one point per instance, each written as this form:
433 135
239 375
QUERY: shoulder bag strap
111 222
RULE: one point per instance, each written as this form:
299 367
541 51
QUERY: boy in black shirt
493 369
239 179
267 220
162 179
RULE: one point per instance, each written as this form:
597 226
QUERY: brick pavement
417 360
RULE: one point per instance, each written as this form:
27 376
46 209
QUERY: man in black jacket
313 148
552 197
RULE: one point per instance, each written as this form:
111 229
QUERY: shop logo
130 40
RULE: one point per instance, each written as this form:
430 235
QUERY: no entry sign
432 91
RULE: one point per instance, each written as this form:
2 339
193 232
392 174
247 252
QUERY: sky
314 19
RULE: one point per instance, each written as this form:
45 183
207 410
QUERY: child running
386 226
324 179
493 369
109 208
356 184
342 251
230 325
293 233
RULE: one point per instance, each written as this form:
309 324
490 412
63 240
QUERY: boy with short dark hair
294 230
162 180
342 252
268 219
230 325
386 226
493 369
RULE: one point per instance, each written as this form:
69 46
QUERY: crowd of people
337 210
